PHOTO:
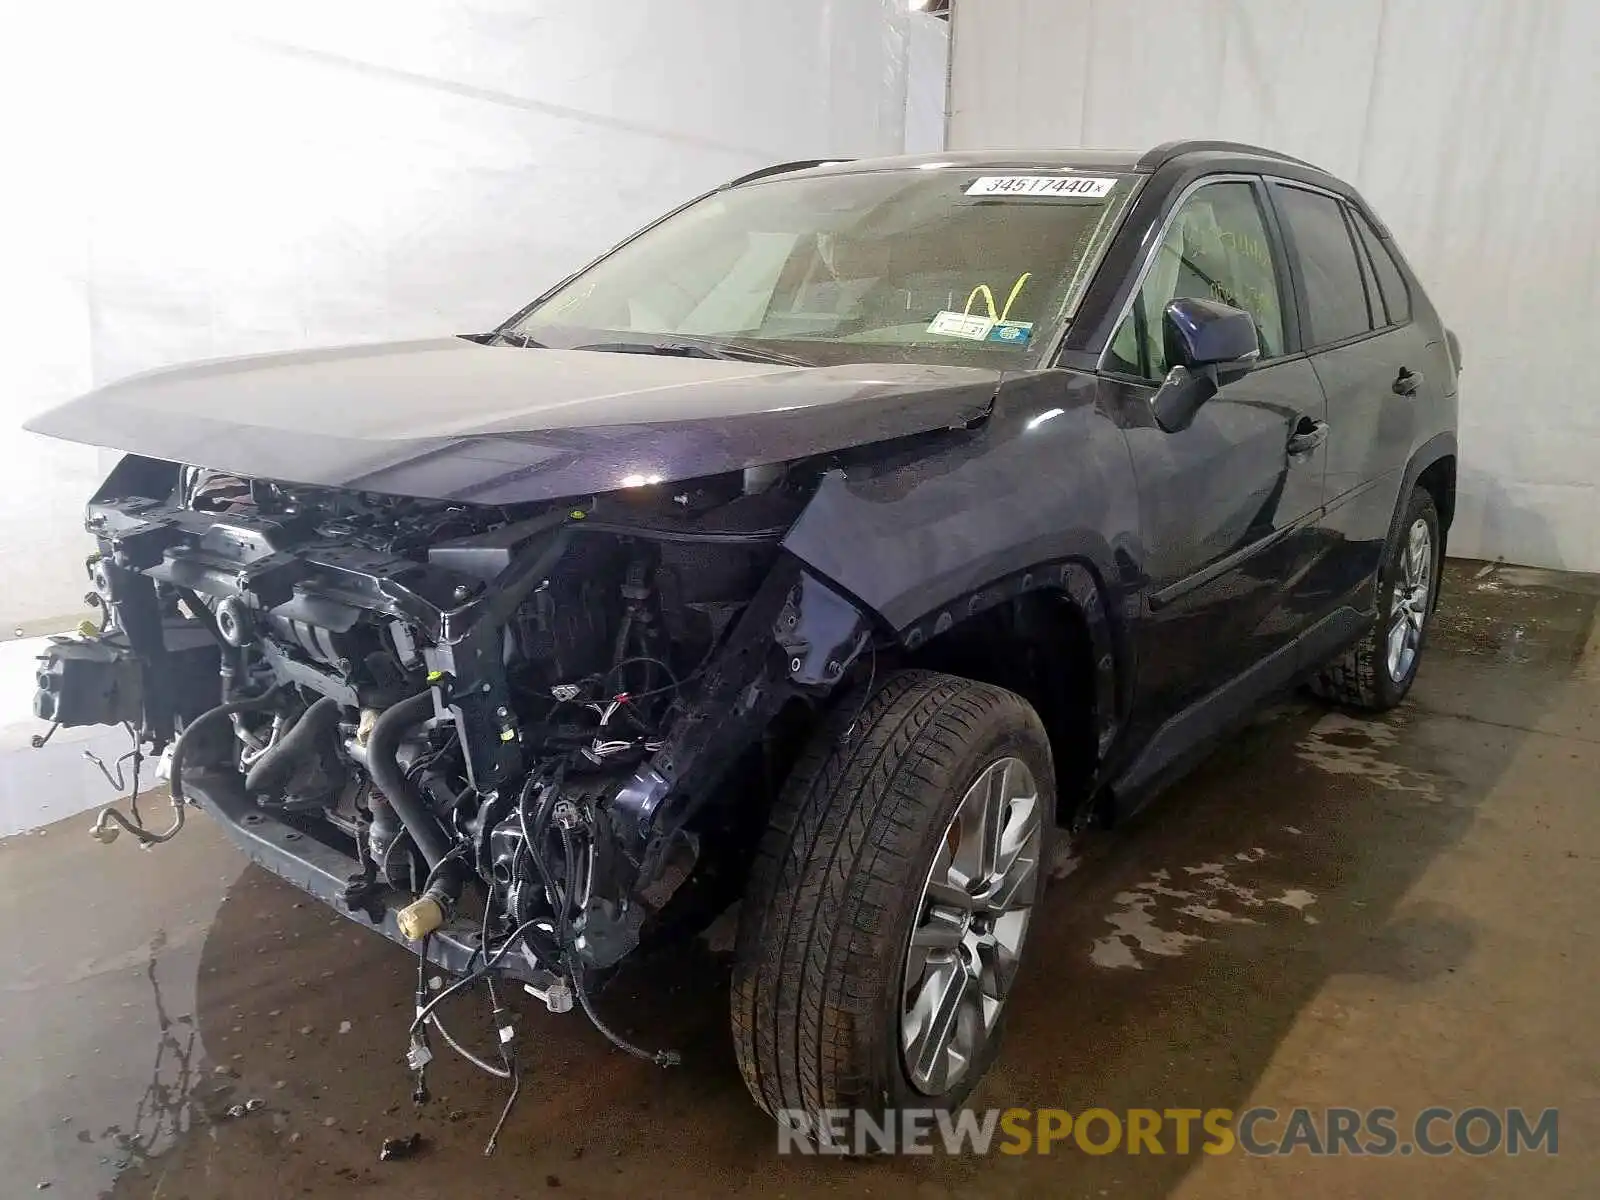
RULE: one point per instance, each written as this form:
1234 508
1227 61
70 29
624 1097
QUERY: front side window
1215 248
1336 297
946 265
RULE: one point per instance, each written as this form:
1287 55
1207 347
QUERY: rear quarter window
1391 282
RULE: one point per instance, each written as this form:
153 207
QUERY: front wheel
889 905
1376 673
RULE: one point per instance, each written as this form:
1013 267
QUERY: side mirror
1211 344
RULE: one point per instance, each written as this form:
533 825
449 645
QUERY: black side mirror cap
1209 333
1211 344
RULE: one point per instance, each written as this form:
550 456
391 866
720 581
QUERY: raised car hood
451 419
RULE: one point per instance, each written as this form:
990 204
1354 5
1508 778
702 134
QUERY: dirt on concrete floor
1333 911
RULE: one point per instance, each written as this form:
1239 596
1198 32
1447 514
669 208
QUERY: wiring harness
540 807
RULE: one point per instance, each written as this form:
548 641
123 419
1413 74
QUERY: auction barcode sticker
1067 187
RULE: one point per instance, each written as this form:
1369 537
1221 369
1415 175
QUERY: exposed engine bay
515 738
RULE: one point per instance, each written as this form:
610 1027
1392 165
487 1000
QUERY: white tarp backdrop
1470 125
194 179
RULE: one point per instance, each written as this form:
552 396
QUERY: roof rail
1167 151
801 164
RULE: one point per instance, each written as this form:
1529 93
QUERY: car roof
1143 162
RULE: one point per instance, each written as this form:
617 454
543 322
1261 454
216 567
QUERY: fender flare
1440 446
1077 584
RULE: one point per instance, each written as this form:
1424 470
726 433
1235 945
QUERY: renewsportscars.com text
1377 1132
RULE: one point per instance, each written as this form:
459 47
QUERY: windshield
952 266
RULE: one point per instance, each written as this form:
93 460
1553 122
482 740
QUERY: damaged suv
829 546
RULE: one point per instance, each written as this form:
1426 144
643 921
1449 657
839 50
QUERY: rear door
1227 509
1370 356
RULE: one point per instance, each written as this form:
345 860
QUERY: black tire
838 885
1360 678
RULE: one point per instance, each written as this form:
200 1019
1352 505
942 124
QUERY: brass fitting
420 918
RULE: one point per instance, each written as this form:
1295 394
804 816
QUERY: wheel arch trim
1435 450
1079 585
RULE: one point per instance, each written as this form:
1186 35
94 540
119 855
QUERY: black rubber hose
192 731
180 750
278 760
383 762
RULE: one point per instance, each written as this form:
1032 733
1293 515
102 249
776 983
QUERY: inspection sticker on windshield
1063 187
1013 333
962 325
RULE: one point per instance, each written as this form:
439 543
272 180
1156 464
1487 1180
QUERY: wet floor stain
1298 899
1164 918
1362 747
1515 615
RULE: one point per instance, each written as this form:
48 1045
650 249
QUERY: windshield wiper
723 350
517 338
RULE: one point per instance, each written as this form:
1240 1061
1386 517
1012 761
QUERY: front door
1228 506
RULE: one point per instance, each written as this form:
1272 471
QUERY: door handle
1307 436
1407 382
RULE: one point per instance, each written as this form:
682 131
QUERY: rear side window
1391 283
1335 295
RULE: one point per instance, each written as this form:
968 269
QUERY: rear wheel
1377 672
890 902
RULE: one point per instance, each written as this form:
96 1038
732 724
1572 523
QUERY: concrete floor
1332 911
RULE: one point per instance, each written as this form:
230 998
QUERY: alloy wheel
967 943
1408 610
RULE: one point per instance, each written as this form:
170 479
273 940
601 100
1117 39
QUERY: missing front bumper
326 873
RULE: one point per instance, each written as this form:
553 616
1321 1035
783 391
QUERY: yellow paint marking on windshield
997 314
1005 313
988 298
